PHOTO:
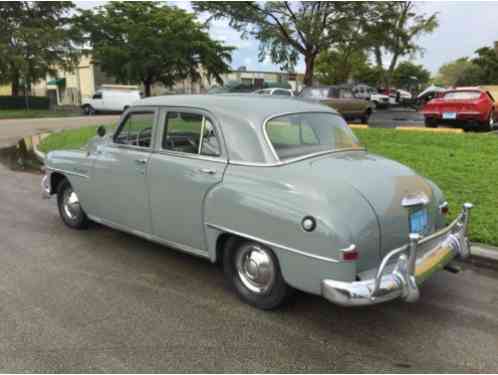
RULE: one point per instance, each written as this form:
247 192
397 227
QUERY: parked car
340 98
467 107
430 93
279 191
275 91
109 101
369 93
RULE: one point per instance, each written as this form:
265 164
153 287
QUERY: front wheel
253 271
70 209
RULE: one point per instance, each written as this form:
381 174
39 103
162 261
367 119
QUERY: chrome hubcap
71 204
255 269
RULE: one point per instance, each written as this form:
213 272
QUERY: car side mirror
101 131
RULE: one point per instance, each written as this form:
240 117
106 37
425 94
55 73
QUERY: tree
150 42
461 72
392 29
408 75
487 61
35 38
288 30
335 66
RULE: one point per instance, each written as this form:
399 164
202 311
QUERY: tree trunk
14 83
309 61
147 86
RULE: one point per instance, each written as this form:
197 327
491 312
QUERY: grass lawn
464 166
34 113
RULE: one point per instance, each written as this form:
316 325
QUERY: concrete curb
484 251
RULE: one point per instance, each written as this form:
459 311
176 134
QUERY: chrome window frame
161 128
122 121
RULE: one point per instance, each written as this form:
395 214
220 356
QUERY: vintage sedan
466 107
277 190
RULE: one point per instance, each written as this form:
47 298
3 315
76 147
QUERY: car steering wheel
140 133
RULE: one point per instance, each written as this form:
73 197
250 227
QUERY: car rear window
302 134
462 95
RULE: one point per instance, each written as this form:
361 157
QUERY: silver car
278 190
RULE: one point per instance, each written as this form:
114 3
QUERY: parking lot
102 300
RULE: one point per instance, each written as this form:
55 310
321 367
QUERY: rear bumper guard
409 270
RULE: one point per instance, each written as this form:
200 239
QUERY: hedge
19 102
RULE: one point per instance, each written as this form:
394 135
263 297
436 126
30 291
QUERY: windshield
306 133
462 95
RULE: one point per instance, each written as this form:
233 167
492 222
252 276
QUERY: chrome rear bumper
410 267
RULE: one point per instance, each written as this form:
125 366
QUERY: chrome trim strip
68 172
293 160
151 237
191 156
273 244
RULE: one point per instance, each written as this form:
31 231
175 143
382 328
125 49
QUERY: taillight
444 208
350 254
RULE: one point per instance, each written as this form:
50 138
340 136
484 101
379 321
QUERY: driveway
101 300
12 130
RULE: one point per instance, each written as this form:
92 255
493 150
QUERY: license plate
449 115
419 221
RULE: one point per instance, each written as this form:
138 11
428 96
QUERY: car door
190 160
98 101
121 169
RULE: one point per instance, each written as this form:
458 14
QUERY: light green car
277 190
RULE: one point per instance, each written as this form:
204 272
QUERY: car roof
241 117
252 107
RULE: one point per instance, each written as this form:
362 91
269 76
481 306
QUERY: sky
463 27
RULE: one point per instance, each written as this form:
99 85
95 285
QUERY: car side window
190 133
136 129
346 94
281 92
97 95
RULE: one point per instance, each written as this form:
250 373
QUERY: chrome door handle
207 171
141 161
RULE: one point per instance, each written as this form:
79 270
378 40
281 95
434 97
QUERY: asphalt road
392 118
102 300
12 130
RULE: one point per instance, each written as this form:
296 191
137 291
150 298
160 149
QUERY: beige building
69 87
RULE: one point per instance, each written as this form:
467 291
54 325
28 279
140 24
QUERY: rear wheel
430 123
70 209
366 116
89 110
253 271
490 123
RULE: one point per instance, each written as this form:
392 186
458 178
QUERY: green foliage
287 30
151 42
35 37
408 75
461 72
19 102
336 66
487 61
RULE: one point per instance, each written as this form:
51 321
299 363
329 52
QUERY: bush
19 102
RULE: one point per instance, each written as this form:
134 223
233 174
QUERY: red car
466 107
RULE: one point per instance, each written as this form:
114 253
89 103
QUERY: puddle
21 157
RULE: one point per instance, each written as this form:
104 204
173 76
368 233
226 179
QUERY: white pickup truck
109 101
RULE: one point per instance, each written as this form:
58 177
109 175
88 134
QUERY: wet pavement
102 300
